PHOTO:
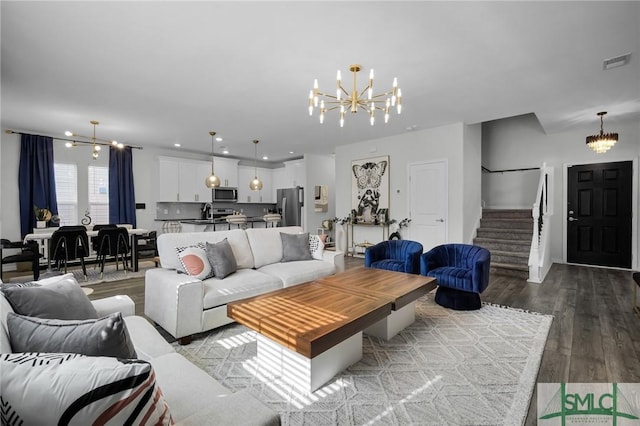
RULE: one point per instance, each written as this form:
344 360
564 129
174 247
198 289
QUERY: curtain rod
98 142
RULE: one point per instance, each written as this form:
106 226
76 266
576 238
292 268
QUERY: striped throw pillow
78 389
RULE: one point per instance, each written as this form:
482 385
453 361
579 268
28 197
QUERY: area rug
449 367
93 274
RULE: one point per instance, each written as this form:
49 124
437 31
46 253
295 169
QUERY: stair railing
540 254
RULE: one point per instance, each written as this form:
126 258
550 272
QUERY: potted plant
42 216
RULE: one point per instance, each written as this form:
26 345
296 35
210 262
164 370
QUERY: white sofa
193 397
184 305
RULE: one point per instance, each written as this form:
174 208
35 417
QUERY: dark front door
599 214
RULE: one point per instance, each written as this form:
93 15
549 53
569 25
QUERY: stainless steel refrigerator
289 204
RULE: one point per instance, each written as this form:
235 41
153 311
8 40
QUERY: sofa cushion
59 297
292 273
295 247
221 258
5 308
147 342
106 336
88 390
194 261
244 283
266 244
237 238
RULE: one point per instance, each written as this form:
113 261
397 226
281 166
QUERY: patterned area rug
448 367
93 274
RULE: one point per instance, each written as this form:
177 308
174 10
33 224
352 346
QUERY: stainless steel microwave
229 195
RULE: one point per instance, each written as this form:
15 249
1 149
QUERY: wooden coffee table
399 288
309 332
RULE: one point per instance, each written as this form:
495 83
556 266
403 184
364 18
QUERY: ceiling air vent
616 62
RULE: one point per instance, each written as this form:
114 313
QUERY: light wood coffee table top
309 318
397 287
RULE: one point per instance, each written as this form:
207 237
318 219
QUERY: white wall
445 142
520 142
320 170
471 170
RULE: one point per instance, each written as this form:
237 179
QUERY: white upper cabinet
227 170
184 180
246 195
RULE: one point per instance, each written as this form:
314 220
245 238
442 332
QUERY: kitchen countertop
217 221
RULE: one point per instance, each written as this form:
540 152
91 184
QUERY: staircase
507 235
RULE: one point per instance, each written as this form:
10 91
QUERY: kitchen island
221 224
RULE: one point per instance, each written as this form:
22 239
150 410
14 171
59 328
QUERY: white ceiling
157 73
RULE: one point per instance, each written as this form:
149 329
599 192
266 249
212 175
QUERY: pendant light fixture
256 183
96 148
212 181
602 142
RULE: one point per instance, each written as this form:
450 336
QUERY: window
99 194
66 176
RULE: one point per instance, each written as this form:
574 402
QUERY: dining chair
94 240
29 252
113 242
70 243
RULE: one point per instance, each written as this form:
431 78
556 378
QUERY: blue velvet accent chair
462 273
394 255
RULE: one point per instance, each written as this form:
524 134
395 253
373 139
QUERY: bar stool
272 218
237 219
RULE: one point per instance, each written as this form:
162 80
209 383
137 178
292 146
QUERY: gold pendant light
212 181
256 183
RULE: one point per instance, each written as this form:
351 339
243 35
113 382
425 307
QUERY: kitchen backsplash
180 211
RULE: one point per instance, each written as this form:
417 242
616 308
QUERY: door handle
572 219
439 220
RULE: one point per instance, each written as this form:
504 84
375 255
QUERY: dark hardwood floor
594 337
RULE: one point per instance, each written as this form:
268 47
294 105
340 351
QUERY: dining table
43 236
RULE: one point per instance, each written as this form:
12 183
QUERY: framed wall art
369 189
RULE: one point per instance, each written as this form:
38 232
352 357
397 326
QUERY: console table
351 242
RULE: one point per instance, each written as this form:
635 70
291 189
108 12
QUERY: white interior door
428 203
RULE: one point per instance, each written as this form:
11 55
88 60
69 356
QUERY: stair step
507 223
505 234
506 213
503 245
518 258
507 272
510 266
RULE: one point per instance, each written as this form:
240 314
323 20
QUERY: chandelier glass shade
212 181
602 142
256 183
364 100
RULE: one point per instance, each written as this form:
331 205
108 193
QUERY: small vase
41 223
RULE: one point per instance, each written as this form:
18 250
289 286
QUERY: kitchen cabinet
169 179
227 170
246 195
184 180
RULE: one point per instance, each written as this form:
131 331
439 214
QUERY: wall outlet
166 211
264 210
241 210
178 211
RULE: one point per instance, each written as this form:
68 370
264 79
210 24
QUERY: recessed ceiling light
291 152
177 145
219 139
68 133
616 62
226 151
265 158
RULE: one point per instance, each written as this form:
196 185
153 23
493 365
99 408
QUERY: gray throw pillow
295 247
107 336
221 258
58 299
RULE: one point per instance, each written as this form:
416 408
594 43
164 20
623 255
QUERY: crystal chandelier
365 100
212 181
602 142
